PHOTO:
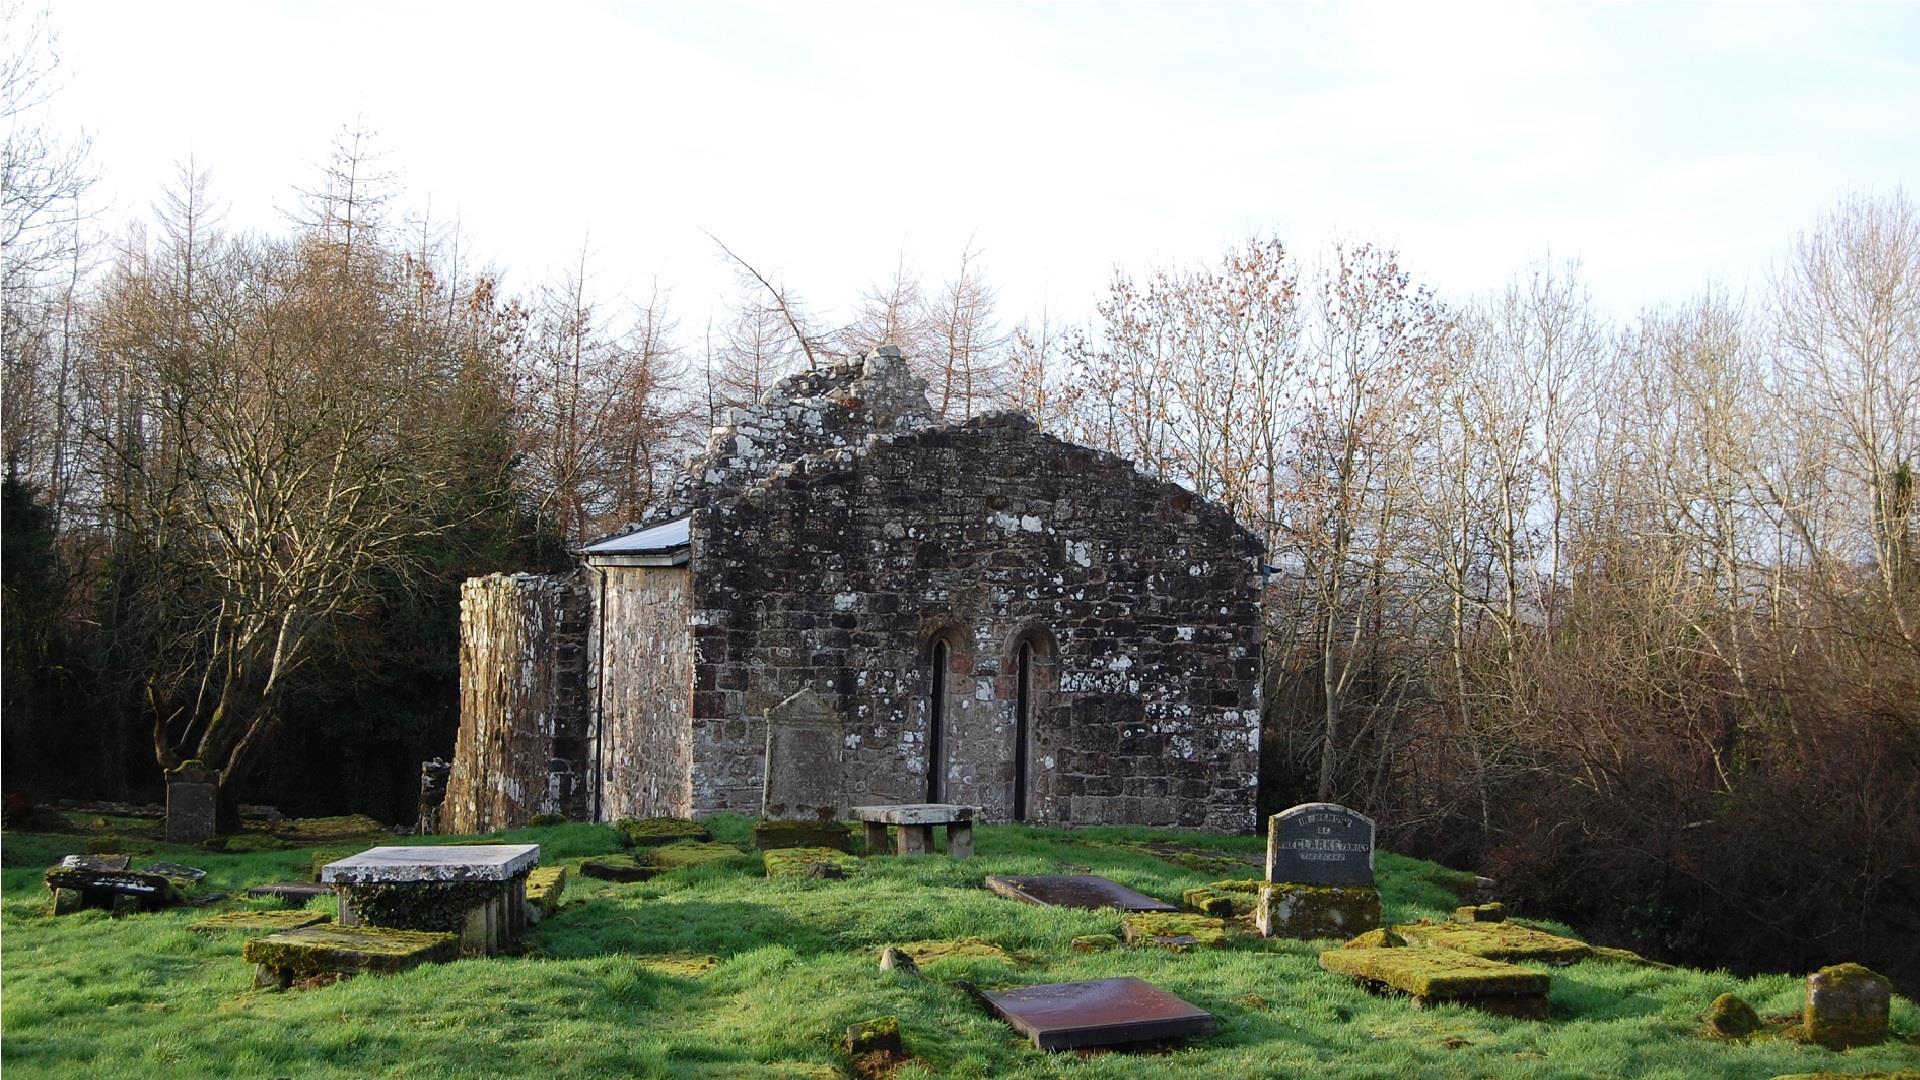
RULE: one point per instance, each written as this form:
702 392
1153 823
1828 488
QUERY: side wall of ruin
645 691
525 703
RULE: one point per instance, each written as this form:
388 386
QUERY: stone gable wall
835 569
646 689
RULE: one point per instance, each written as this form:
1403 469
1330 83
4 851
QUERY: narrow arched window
936 719
1022 725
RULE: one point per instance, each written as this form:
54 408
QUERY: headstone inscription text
1320 844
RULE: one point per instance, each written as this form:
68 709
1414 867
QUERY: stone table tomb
478 892
916 822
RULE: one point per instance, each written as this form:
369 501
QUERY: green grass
143 996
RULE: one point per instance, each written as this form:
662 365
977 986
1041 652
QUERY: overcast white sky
1662 144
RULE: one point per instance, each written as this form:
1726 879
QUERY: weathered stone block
769 835
652 832
693 853
1473 913
1314 911
1847 1005
545 886
622 868
874 1036
1176 932
1432 976
1497 941
317 950
799 861
1730 1017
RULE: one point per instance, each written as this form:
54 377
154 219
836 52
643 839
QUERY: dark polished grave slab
1074 891
1098 1012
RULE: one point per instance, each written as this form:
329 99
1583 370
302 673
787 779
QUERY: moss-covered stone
870 1036
652 832
1430 976
545 886
1625 956
546 821
316 950
1497 941
1178 932
441 906
1847 1006
1224 899
623 868
1093 943
682 965
926 953
692 853
322 829
799 862
1477 913
264 922
770 835
1380 938
246 843
1293 910
1730 1017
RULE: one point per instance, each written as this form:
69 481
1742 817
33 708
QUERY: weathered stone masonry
837 534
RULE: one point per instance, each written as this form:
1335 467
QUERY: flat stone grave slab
293 892
1097 1012
463 862
1433 976
1497 941
264 922
1090 891
283 957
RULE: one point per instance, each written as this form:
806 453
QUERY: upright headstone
192 804
433 794
1319 874
1847 1005
1320 844
804 739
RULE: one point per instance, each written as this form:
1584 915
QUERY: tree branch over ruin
780 301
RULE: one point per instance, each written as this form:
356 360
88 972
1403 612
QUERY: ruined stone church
976 612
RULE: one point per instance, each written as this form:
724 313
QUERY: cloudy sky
1663 145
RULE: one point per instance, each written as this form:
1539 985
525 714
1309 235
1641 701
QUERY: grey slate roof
664 537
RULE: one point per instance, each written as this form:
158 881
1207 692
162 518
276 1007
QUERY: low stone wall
525 718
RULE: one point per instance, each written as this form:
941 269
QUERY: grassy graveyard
711 968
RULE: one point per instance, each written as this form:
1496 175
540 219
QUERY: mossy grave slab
1175 932
692 853
927 953
1296 910
262 922
683 965
652 832
623 868
1224 899
1497 941
799 862
545 886
344 950
1433 976
770 834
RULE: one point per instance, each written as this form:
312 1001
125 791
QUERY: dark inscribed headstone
804 739
1320 844
192 805
1319 874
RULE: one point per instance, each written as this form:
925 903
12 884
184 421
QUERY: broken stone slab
1497 941
282 957
81 881
267 922
293 892
415 865
1296 910
1097 1012
804 862
1093 943
1480 913
1847 1006
1089 891
893 958
1177 932
620 868
1223 899
926 954
1433 976
874 1036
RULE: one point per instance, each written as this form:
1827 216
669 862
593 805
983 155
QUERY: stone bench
916 822
478 891
281 958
